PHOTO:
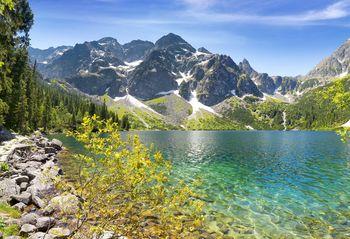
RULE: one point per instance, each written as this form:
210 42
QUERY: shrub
126 189
4 167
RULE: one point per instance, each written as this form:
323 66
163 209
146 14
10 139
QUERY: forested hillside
326 107
28 103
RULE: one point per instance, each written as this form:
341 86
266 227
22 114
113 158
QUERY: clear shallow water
266 184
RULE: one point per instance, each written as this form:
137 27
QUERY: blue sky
279 37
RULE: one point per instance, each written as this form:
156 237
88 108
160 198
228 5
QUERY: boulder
20 206
24 197
8 188
42 143
30 218
26 229
59 233
23 186
48 210
56 144
45 223
37 201
41 235
38 157
66 204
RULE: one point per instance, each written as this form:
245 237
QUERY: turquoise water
266 184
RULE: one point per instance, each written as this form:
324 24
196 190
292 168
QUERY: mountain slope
336 65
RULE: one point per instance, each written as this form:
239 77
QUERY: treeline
26 102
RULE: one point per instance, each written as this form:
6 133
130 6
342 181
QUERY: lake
265 184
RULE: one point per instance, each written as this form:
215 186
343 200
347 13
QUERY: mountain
336 65
181 85
47 55
136 50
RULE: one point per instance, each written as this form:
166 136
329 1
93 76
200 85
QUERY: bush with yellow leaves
126 189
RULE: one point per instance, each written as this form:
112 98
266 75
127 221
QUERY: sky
279 37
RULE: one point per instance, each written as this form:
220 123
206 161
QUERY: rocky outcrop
153 75
27 183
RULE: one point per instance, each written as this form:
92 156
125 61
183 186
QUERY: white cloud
199 3
338 10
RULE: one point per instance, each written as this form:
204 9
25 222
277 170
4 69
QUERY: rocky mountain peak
175 44
137 50
203 50
336 65
245 67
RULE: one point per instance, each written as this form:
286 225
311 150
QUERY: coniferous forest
27 102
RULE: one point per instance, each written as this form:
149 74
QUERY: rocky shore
28 169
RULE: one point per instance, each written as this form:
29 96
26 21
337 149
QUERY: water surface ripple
266 184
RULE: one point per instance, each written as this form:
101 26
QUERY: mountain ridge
171 66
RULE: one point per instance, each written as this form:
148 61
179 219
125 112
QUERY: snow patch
233 92
184 77
133 63
135 102
130 66
166 92
198 53
197 106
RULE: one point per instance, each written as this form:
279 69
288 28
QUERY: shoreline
29 167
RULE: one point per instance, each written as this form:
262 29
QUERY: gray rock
24 197
13 237
56 144
48 210
66 204
30 218
29 164
59 233
23 186
22 179
26 229
41 235
8 187
45 223
19 206
38 202
38 157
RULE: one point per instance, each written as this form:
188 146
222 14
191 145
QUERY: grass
11 230
9 211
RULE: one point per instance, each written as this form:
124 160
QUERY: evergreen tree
27 102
